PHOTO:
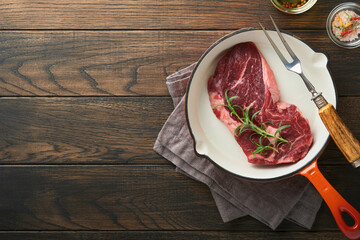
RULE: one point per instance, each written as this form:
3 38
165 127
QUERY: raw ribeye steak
244 72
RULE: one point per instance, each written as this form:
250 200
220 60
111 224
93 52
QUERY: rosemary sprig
247 124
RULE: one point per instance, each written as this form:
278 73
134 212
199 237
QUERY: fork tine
292 54
274 46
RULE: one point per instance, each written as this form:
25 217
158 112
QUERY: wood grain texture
126 63
102 130
170 235
340 133
91 130
130 198
83 97
147 14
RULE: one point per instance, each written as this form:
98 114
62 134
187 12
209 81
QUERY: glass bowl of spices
293 6
343 25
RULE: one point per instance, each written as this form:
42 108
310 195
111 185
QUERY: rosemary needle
247 124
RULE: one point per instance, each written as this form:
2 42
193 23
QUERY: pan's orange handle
334 200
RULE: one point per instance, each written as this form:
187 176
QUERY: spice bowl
293 6
333 15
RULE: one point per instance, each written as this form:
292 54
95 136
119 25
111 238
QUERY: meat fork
342 136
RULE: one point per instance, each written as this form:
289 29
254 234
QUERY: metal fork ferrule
319 100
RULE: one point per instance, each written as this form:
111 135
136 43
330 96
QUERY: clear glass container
296 10
341 7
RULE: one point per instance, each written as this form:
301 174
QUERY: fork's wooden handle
342 136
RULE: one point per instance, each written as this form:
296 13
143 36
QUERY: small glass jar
295 10
342 7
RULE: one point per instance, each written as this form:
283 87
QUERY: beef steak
244 72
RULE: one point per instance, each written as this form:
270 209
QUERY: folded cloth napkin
292 198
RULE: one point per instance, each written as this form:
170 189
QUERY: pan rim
292 173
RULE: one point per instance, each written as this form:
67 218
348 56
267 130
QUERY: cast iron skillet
214 141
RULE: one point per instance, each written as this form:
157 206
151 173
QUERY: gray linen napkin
293 198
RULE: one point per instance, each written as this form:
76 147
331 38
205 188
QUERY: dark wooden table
83 97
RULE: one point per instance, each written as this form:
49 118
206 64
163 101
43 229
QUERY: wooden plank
95 63
125 63
81 130
147 14
169 235
130 198
102 130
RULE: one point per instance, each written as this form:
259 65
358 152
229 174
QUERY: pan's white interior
214 140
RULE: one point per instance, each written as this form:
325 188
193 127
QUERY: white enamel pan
213 140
